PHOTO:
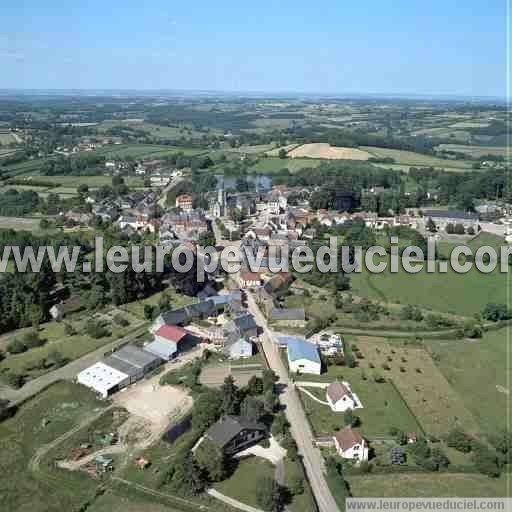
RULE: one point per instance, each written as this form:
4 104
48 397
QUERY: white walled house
303 357
340 397
350 445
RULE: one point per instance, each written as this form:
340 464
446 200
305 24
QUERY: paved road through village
313 461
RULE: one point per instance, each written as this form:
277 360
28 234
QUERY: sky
403 47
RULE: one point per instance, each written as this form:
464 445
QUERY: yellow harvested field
324 150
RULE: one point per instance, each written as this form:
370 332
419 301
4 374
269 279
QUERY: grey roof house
233 434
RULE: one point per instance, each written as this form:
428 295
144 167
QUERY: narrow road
67 372
312 458
231 502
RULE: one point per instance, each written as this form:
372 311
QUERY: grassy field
272 164
177 301
483 239
428 485
71 347
463 294
63 406
415 159
475 151
143 150
383 406
110 502
241 485
6 138
70 183
415 391
480 373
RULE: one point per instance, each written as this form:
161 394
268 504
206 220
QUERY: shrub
459 440
121 320
16 346
96 329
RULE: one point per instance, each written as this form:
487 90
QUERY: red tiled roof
172 333
347 438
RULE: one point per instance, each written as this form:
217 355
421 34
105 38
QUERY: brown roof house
340 397
350 445
233 434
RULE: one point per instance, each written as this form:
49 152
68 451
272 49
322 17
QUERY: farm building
442 218
167 339
303 357
350 445
122 368
145 362
103 379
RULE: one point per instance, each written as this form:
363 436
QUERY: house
303 357
68 306
441 218
237 347
249 279
350 445
184 201
233 434
244 324
166 341
340 398
288 317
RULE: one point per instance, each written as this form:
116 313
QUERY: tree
349 418
430 226
252 408
255 386
188 478
459 440
450 228
459 229
496 312
401 437
296 485
289 444
164 303
230 402
44 224
270 401
211 459
280 424
207 239
269 495
16 346
269 378
207 409
282 153
439 458
148 311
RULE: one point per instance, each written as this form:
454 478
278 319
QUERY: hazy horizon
370 48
